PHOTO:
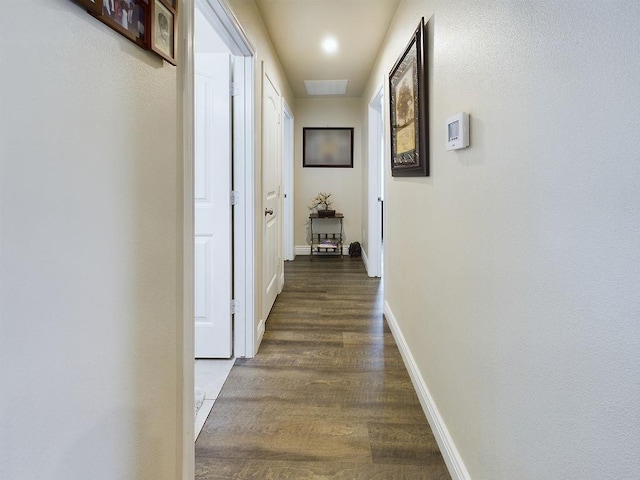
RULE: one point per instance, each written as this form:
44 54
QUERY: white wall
513 271
88 294
344 183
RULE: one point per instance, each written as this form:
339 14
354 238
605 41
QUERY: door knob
268 211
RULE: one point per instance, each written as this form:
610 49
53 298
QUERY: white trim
244 210
288 183
201 417
184 444
374 220
227 26
259 334
365 259
450 453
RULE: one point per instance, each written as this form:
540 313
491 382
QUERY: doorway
373 254
218 33
288 248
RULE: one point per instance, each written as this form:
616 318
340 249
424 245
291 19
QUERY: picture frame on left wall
163 39
94 6
128 18
150 24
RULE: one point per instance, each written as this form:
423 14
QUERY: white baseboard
259 335
365 259
306 250
201 417
450 453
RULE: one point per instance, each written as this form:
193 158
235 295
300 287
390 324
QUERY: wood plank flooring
327 396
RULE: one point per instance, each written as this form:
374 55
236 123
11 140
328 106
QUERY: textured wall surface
88 250
514 270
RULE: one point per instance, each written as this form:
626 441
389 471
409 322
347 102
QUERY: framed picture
409 110
327 147
163 30
94 6
127 17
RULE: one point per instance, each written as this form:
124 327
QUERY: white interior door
271 187
213 252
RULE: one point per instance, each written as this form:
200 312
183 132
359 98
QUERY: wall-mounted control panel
458 131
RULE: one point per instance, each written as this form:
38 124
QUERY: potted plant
321 203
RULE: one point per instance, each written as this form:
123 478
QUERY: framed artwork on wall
127 17
327 147
150 24
163 30
408 97
94 6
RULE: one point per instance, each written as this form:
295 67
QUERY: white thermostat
458 131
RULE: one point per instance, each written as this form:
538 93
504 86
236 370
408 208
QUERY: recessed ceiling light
330 45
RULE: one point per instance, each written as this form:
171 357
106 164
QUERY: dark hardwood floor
327 396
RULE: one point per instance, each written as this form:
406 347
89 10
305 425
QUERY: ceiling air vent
326 87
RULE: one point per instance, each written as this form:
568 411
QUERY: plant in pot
321 203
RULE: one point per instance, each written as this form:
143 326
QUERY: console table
330 242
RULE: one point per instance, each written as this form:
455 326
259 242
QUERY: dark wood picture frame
327 147
163 39
138 21
134 26
408 94
93 6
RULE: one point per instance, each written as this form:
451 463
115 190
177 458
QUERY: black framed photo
127 17
327 147
163 30
409 109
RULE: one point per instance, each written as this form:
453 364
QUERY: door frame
373 256
229 29
289 251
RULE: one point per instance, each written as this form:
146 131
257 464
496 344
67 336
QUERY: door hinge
234 89
233 197
233 307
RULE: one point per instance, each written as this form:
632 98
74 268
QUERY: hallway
327 396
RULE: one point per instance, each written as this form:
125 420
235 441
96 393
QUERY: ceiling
298 27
